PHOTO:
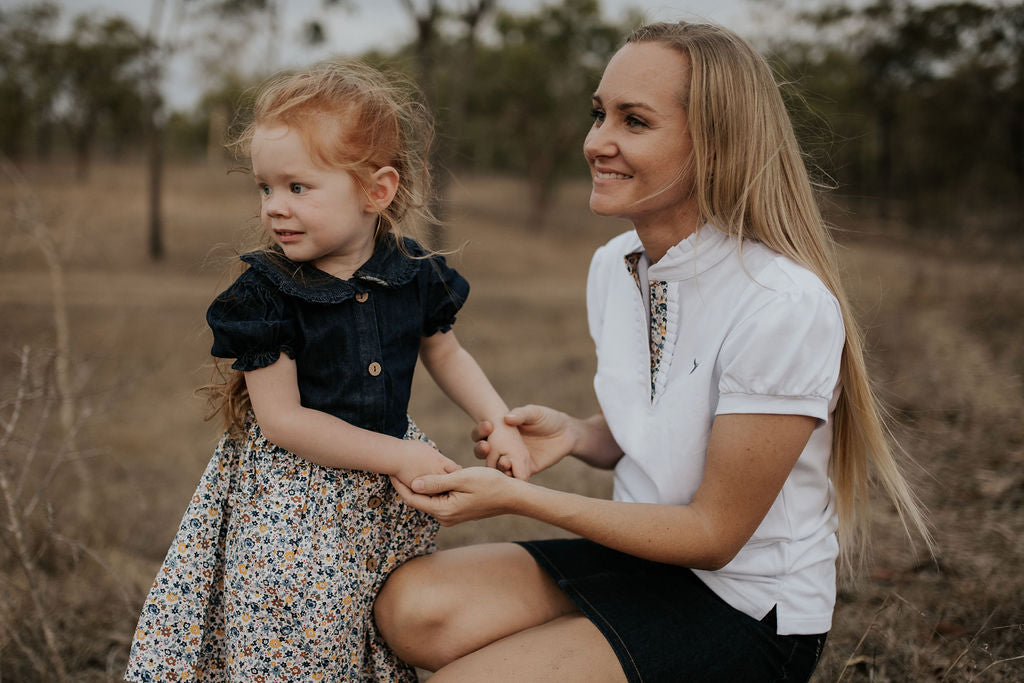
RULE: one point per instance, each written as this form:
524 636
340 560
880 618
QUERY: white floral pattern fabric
273 572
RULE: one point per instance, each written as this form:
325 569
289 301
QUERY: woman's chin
600 207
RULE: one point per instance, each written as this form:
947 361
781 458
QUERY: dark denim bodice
355 342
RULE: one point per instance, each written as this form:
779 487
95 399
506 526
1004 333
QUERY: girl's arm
748 460
327 440
551 435
464 382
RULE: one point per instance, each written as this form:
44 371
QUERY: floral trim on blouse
658 292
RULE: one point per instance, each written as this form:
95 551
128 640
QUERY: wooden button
371 563
374 368
374 502
361 297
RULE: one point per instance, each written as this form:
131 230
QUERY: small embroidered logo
695 364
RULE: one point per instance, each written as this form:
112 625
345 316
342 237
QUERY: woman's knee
437 608
410 605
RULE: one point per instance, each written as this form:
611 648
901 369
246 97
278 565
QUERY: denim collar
387 267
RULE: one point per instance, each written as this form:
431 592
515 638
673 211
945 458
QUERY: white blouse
746 331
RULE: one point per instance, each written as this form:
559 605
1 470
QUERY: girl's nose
275 206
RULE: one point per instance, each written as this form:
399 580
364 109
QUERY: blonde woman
735 410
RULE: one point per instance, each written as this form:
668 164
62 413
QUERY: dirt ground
93 502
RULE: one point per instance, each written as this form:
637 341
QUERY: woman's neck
659 237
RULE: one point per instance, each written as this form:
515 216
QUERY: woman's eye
297 188
597 115
634 122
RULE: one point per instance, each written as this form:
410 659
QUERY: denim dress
274 569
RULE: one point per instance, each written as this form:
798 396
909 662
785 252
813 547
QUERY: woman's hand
420 458
547 433
469 494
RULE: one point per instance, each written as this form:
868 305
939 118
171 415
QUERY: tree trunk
886 121
156 180
82 144
216 134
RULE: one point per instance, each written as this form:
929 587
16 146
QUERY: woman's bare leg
565 650
437 608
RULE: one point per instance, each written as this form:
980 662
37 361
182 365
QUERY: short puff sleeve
446 292
784 357
252 324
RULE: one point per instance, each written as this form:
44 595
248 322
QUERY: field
102 439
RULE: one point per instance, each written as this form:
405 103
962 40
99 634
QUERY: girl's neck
344 266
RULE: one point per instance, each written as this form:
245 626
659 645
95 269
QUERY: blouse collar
699 252
386 267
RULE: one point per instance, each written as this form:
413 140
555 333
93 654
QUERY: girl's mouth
287 235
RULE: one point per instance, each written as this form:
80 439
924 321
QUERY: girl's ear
382 189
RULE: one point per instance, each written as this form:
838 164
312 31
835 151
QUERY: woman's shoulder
776 288
774 272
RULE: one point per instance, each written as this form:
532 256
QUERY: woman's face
639 147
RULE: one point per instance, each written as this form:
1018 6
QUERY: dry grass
945 334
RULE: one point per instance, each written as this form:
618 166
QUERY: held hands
480 492
547 434
508 453
420 458
469 494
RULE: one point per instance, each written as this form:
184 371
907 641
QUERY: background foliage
915 112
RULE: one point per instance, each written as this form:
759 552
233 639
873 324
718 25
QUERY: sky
383 24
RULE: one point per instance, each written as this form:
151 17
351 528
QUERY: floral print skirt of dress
274 570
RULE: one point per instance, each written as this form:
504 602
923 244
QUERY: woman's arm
748 460
327 440
461 378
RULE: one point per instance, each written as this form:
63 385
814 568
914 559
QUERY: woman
732 388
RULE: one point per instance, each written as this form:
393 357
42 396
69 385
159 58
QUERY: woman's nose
598 143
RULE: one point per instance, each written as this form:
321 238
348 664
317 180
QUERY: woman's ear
382 189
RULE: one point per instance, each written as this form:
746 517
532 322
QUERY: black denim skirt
666 625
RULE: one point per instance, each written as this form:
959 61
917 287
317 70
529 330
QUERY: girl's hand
469 494
508 453
547 433
420 458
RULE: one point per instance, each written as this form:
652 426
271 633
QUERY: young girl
294 525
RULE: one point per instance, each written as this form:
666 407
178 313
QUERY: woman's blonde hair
352 117
752 184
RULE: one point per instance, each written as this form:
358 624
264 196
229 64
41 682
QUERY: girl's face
639 147
315 213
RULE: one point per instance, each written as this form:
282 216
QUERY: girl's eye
297 188
264 190
597 114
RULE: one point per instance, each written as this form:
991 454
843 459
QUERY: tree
924 100
445 69
28 77
537 91
100 66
